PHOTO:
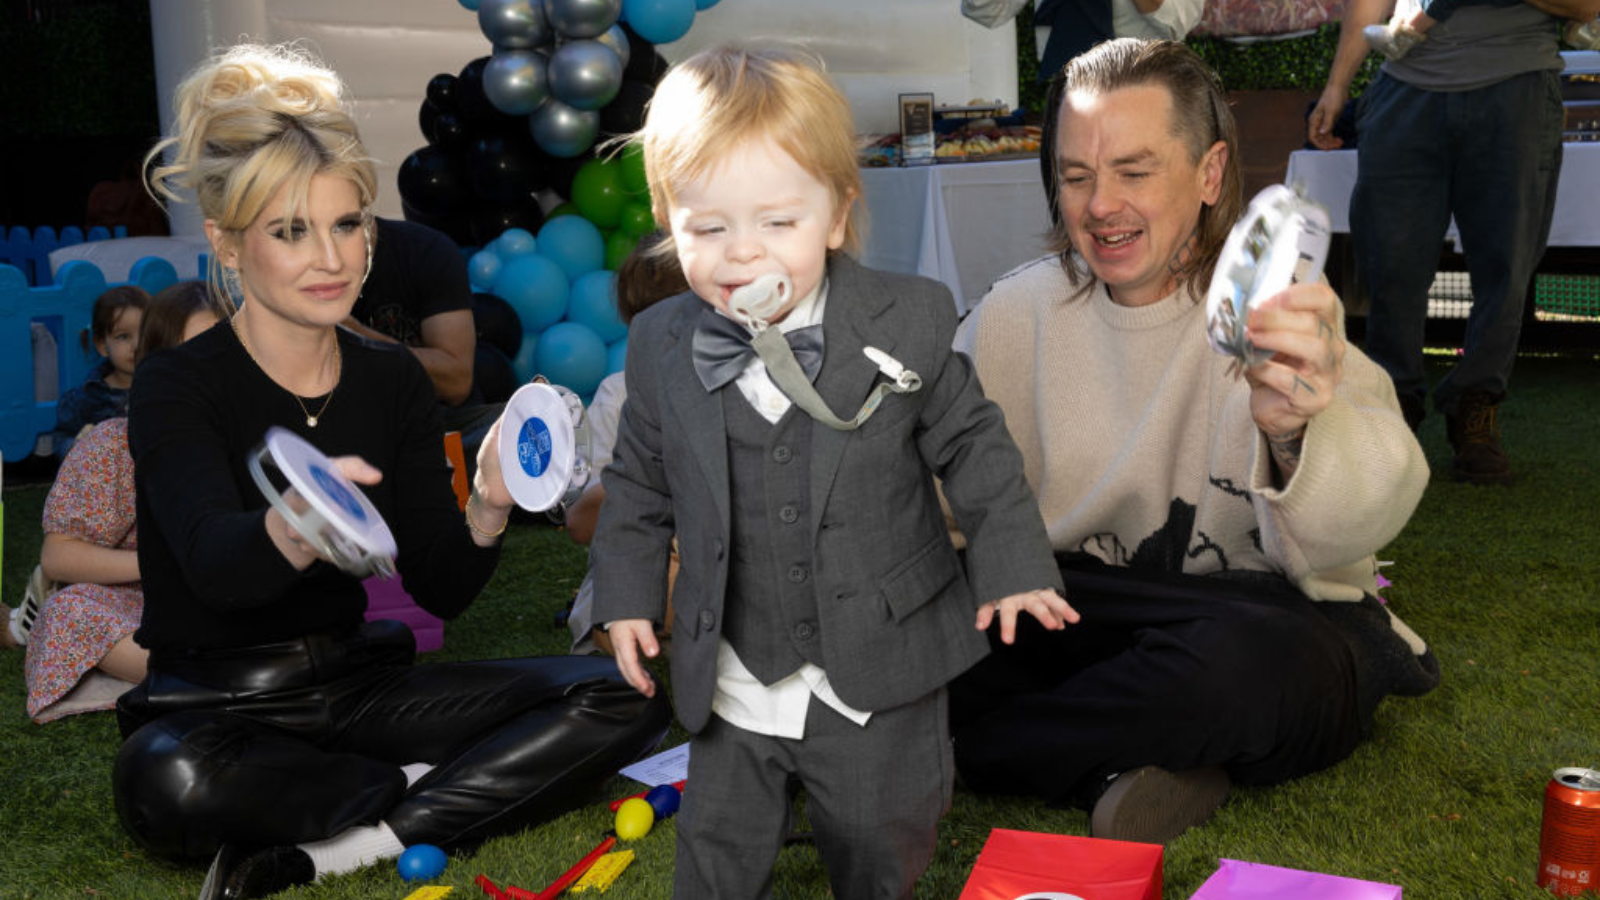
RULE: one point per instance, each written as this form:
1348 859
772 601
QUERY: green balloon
633 180
637 219
597 190
618 246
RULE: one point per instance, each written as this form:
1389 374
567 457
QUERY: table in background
1329 175
964 224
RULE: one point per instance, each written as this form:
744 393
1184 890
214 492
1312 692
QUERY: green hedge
1299 63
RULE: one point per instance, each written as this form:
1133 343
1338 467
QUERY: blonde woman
275 730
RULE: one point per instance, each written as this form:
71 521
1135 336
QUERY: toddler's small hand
631 638
1050 608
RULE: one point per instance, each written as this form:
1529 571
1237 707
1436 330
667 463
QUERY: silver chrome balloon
582 18
514 24
517 81
563 131
585 74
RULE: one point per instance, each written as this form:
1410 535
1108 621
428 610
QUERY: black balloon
489 221
428 119
492 372
503 170
644 63
449 132
431 180
497 324
625 113
442 91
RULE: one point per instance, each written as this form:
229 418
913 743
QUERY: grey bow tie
721 349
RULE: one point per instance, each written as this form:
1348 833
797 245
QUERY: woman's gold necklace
311 420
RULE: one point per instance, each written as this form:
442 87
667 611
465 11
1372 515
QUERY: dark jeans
299 740
1177 671
1491 157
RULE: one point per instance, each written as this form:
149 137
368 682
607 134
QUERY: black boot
238 873
1474 431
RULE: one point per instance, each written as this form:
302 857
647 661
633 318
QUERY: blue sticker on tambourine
335 491
533 447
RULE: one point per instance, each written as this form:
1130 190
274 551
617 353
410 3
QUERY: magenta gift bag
1027 865
1235 880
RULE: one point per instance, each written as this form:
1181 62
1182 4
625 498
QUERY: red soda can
1569 841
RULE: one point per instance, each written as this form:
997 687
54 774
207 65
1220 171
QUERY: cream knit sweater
1142 450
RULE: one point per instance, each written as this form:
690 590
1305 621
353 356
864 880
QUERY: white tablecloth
1330 175
964 224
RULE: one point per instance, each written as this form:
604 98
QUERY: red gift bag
1026 865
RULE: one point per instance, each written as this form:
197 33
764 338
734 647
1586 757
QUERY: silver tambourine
334 516
1281 240
544 448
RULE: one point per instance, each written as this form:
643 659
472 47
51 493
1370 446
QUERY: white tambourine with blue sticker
544 447
1282 239
332 514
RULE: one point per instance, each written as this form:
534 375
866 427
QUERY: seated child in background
81 654
114 326
820 608
644 277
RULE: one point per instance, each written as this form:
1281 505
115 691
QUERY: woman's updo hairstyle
250 120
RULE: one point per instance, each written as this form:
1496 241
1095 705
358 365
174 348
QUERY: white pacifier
544 448
1282 239
337 518
756 303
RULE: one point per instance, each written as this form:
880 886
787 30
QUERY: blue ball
471 5
512 243
704 4
664 799
482 269
572 356
593 302
420 862
617 356
659 21
536 288
574 243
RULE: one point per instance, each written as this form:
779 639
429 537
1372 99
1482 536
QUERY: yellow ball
634 818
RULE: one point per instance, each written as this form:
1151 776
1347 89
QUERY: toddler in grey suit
820 606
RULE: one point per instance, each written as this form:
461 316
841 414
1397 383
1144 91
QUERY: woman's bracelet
473 526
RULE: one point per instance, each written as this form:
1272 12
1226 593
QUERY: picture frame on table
916 129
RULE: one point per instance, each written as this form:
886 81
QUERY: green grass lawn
1444 800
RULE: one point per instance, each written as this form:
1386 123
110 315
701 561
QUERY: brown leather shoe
1474 431
1151 805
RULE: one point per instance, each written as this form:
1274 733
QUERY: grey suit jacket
895 605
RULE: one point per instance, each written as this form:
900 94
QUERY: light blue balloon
659 21
705 4
536 288
514 242
616 356
572 356
526 365
483 268
574 243
470 5
593 302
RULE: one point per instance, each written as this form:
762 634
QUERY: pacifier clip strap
786 373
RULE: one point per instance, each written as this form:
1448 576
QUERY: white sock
353 849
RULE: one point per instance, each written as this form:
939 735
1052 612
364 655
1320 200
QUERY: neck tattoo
311 420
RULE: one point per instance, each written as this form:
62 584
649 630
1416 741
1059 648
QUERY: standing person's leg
1399 210
735 814
1508 164
875 794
